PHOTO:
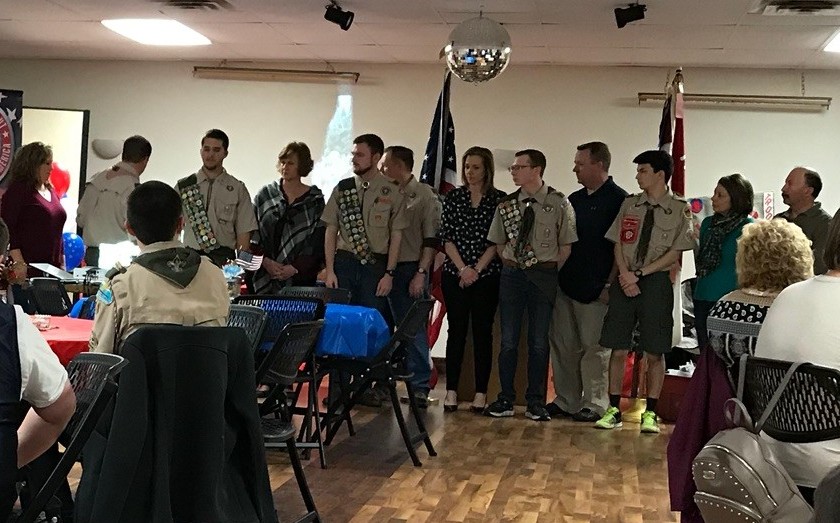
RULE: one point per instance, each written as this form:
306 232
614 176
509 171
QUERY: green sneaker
610 420
649 423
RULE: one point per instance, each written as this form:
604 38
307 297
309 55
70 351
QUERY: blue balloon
74 250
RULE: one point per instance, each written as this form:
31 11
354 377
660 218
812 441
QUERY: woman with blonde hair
802 326
771 256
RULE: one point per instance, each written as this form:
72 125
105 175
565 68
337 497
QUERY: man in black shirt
579 363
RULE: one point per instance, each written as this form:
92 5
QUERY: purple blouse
35 224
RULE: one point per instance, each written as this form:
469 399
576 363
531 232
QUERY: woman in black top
471 273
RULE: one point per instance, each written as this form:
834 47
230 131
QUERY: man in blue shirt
579 363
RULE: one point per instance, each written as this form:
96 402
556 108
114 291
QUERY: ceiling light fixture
478 50
156 32
338 16
801 103
631 13
273 75
833 45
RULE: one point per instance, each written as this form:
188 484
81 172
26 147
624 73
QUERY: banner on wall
11 111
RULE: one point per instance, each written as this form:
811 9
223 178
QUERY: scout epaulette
350 215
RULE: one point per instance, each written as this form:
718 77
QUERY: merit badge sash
512 220
350 214
194 207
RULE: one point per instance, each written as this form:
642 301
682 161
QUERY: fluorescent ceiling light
833 45
156 31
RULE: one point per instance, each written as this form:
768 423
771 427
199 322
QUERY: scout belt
195 209
350 215
512 220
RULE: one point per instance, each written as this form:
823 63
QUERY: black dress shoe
556 412
587 415
450 408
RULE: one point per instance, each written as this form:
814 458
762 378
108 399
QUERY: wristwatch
390 272
638 273
421 270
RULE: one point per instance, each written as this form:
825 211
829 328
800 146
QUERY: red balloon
59 179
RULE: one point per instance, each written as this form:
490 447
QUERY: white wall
551 108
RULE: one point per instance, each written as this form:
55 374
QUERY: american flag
671 140
248 261
439 165
671 134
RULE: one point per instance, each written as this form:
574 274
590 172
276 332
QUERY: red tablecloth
68 336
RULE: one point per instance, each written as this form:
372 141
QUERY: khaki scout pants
580 365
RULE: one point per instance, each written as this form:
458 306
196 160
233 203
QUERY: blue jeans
361 281
535 292
417 361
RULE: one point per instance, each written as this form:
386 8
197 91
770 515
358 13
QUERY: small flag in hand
248 261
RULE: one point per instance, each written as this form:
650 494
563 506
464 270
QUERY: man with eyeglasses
533 230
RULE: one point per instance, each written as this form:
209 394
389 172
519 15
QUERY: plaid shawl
286 229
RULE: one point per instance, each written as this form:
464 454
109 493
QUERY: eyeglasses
515 168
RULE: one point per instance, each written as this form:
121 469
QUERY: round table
67 337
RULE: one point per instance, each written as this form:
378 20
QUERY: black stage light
631 13
338 16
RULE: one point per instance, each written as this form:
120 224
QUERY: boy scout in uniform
417 250
167 283
365 217
533 230
101 212
218 210
650 231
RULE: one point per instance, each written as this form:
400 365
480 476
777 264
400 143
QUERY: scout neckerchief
512 221
350 214
196 210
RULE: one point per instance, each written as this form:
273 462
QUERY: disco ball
478 50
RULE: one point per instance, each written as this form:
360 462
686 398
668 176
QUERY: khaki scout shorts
652 310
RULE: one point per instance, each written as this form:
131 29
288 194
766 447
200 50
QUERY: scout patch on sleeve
105 295
629 229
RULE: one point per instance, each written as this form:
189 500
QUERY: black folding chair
92 376
388 367
808 409
281 311
249 318
293 348
326 294
50 297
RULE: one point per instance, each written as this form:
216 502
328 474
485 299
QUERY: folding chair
282 311
92 377
387 367
249 318
293 348
809 408
50 297
326 294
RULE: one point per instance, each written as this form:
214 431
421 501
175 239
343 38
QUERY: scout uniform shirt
166 284
228 209
672 228
365 213
554 226
422 210
102 210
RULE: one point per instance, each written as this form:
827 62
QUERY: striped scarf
285 228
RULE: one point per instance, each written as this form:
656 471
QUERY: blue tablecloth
351 331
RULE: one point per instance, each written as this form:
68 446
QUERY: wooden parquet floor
487 470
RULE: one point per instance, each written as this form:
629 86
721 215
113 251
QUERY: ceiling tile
774 37
404 34
350 53
323 33
259 33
